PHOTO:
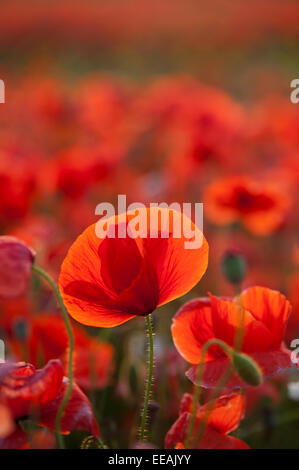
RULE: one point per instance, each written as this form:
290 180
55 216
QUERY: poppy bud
247 369
234 267
16 260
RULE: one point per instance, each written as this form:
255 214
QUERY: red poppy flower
93 359
224 418
46 338
16 260
93 366
107 281
26 391
17 187
260 207
265 316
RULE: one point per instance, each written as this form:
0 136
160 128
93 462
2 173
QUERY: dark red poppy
265 316
261 207
26 392
224 417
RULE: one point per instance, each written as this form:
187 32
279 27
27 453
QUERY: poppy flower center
246 201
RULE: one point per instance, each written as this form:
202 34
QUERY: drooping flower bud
247 369
16 260
234 267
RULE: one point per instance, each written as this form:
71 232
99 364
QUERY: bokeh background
156 100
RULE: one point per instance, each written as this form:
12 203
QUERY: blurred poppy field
138 342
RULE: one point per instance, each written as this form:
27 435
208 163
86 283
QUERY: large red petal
177 267
227 319
86 295
191 327
270 307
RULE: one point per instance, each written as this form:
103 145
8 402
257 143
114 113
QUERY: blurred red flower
93 359
224 417
261 207
265 317
107 281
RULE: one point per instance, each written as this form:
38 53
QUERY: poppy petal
226 413
191 327
77 415
270 362
214 440
23 388
177 267
227 319
269 306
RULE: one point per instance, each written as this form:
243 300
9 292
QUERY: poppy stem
149 378
69 330
196 393
238 341
216 392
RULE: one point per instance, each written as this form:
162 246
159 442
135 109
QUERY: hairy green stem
68 327
196 393
149 378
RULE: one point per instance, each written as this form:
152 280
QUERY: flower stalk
69 330
143 430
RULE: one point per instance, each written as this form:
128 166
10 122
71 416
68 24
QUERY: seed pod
247 369
234 267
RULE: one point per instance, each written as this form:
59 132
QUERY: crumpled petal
78 413
23 388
